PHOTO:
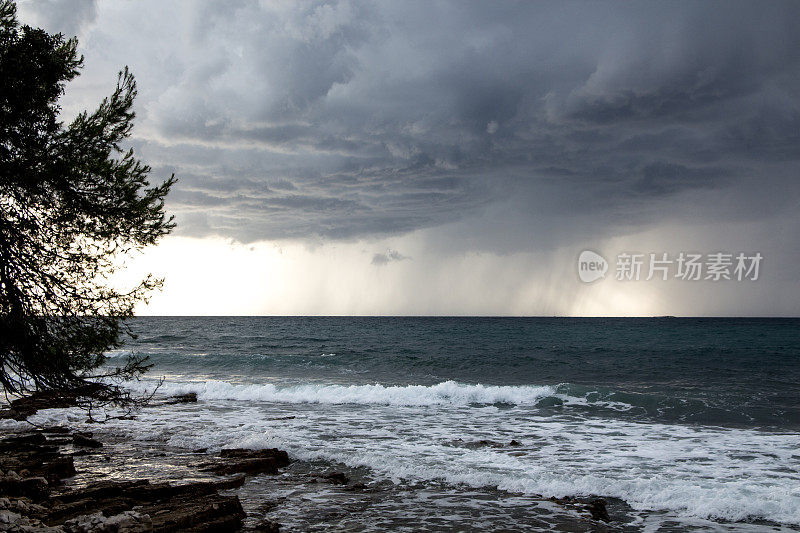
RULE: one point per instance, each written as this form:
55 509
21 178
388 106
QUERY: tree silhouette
72 202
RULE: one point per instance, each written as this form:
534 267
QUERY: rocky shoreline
58 479
35 498
41 489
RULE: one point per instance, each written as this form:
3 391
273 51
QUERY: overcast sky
456 157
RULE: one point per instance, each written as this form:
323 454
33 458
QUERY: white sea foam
688 472
446 393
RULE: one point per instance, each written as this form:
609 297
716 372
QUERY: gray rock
86 442
125 522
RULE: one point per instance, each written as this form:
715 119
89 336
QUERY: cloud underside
350 120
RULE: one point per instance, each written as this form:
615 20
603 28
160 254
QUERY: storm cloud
488 127
344 120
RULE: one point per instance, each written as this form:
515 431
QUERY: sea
475 424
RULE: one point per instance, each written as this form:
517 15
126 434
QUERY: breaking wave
446 393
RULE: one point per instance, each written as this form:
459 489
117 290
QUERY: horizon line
468 316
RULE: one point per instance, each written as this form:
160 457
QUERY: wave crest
445 393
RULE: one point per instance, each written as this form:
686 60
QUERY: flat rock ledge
34 497
21 408
243 461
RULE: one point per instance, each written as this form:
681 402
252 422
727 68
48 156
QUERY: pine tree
72 202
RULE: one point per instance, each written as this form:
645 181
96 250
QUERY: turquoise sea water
685 423
737 372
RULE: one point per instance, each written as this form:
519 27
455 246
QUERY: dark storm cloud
351 119
665 178
69 17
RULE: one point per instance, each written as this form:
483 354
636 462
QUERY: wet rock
231 483
280 456
31 468
57 468
161 491
187 507
265 465
35 488
212 512
7 517
597 508
483 443
59 512
100 490
271 504
514 443
17 522
143 490
56 429
31 455
189 397
238 460
127 521
337 478
268 526
18 414
24 441
85 441
21 408
63 441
